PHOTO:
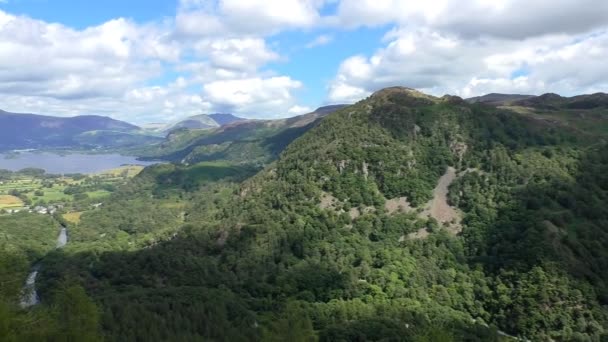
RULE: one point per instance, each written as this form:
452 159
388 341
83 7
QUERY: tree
77 315
293 325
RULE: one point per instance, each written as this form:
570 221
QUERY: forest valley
404 217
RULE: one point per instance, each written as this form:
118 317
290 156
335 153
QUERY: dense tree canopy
307 249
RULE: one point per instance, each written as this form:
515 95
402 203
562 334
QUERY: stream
30 297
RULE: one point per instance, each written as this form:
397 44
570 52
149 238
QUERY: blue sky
82 14
150 61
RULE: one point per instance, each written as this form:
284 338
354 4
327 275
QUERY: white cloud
439 63
299 110
475 47
217 55
515 19
107 69
245 54
251 17
265 97
419 59
270 14
321 40
41 59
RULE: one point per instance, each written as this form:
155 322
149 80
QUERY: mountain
242 141
498 99
25 131
224 119
404 217
154 126
549 101
555 101
115 139
201 121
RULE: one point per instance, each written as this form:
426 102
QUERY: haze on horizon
149 62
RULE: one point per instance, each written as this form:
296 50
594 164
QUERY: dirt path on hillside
439 208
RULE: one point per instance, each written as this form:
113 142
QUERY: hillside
554 101
201 121
225 119
249 141
402 217
547 101
26 131
115 139
498 99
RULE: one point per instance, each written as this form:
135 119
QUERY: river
30 297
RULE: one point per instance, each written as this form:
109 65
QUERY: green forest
307 247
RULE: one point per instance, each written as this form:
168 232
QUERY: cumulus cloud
108 69
499 18
260 96
38 58
54 69
473 48
418 59
244 54
321 40
252 17
299 110
218 55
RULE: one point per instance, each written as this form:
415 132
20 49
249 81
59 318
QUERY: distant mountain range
213 136
498 99
545 101
201 121
225 119
31 131
238 140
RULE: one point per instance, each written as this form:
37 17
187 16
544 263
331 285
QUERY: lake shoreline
68 163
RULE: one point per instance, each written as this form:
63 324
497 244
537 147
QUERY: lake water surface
70 163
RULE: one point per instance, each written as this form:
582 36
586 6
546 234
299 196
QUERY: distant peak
397 90
329 109
452 99
399 94
225 118
550 96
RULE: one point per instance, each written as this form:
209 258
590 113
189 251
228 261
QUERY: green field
19 190
98 194
129 171
22 184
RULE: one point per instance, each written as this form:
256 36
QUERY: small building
41 210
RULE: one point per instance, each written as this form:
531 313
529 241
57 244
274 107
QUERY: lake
69 163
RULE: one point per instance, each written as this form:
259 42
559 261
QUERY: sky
158 61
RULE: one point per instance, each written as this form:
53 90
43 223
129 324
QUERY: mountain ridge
256 141
24 131
498 98
544 101
199 121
